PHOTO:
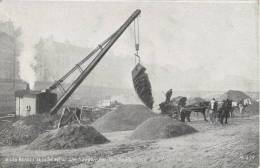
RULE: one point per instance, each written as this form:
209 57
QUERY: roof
20 93
26 93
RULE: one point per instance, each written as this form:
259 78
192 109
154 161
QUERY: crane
99 53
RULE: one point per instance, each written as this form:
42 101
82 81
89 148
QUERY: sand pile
233 95
195 100
70 136
26 129
176 100
161 127
22 133
124 117
253 108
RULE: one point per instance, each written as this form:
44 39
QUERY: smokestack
27 87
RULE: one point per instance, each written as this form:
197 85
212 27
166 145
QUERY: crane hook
137 40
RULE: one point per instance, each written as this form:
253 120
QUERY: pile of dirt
254 95
124 117
195 100
89 117
68 137
26 129
176 100
4 133
22 133
233 95
253 108
161 127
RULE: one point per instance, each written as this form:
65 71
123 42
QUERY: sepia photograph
129 83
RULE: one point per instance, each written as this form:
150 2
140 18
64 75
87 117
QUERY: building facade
8 66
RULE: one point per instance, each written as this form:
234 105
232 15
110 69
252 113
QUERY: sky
214 39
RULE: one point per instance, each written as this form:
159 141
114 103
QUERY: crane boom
94 62
99 47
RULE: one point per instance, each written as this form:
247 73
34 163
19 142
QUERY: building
54 59
8 66
33 102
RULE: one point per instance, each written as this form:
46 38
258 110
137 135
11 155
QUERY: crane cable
136 39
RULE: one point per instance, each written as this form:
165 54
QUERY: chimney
27 87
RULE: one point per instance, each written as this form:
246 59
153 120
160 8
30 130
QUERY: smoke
26 63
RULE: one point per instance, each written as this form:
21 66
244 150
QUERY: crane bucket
142 85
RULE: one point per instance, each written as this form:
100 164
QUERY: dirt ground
233 145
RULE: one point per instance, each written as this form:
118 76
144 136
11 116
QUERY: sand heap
21 133
233 95
195 101
176 100
161 127
26 129
124 117
253 108
70 136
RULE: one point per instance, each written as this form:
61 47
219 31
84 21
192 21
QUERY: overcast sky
220 38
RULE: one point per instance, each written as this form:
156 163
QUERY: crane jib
92 53
94 62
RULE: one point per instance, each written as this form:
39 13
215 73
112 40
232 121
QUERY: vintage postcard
162 84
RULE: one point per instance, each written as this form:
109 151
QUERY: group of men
220 110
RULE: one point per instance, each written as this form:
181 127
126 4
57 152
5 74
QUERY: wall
54 59
8 67
25 101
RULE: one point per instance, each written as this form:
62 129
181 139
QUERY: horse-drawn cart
186 111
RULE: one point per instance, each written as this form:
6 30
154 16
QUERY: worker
212 111
215 109
230 108
241 107
247 102
183 113
27 87
168 96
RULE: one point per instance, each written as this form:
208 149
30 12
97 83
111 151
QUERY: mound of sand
26 129
70 136
176 100
253 108
161 127
234 95
124 117
22 133
195 100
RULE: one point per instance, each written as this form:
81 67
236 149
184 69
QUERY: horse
201 107
186 111
174 109
224 111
